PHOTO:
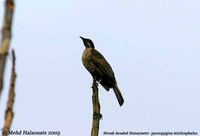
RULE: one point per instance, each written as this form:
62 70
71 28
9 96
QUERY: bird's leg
95 80
100 80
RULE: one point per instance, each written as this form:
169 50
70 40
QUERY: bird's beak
81 37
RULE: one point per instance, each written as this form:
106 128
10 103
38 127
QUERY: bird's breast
86 58
86 54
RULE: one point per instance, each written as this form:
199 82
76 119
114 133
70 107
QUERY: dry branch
9 111
6 37
96 109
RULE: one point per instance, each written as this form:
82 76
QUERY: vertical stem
6 37
11 97
96 109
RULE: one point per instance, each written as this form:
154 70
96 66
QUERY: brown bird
100 69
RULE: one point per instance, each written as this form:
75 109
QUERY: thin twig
96 109
6 37
9 111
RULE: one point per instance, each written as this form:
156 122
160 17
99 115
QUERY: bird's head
87 42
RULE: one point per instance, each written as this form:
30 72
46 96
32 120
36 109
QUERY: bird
100 69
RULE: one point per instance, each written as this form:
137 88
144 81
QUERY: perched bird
100 69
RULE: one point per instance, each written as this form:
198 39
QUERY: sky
153 47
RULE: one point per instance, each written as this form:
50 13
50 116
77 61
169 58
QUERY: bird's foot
95 81
100 81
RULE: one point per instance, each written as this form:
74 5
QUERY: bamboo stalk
6 37
96 109
11 97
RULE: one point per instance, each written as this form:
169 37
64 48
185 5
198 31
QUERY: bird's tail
118 95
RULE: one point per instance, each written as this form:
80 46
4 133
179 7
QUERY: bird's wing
101 64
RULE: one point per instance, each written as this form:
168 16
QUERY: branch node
97 116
